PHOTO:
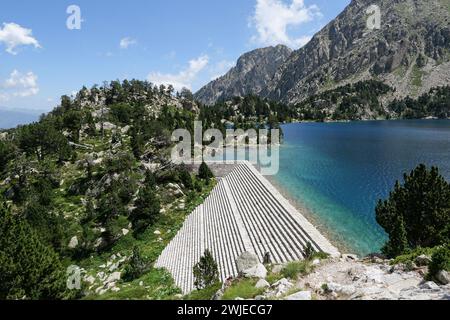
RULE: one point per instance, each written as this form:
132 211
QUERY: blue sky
184 42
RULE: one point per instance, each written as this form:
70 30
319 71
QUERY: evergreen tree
417 213
206 272
185 177
136 266
28 268
204 172
147 207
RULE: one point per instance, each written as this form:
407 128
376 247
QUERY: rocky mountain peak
410 52
253 71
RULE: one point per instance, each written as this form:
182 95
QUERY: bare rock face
245 261
253 71
410 52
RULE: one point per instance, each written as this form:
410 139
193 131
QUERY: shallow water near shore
338 171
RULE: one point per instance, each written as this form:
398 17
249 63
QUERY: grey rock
258 271
262 284
252 73
423 260
277 268
301 296
246 261
115 276
73 242
443 277
430 285
346 51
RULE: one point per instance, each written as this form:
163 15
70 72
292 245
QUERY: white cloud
126 42
272 18
182 79
13 36
20 85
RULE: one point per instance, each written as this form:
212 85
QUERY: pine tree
204 172
147 206
417 213
136 266
28 268
206 272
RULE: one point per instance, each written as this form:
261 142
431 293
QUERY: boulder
125 232
73 242
300 296
280 288
341 290
430 285
443 277
218 295
246 260
262 284
90 279
258 271
277 268
423 260
157 232
115 276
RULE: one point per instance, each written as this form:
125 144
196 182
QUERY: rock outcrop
253 71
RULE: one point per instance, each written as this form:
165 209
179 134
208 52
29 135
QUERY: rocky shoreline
346 278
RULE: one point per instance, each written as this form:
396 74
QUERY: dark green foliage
147 207
121 113
28 268
204 172
186 178
120 162
137 142
308 251
43 139
440 261
7 150
417 213
206 272
136 266
72 120
435 103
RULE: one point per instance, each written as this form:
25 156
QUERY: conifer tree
28 268
206 272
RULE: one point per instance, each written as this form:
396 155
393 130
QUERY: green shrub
204 294
308 251
242 288
204 172
136 266
440 261
206 272
293 269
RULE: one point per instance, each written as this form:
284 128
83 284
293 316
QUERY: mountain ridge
410 52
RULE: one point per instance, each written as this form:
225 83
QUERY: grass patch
157 285
411 256
293 269
417 75
242 288
273 277
205 294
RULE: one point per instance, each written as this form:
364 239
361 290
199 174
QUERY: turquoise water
338 171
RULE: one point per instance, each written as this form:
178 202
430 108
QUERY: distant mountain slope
11 118
410 52
253 71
